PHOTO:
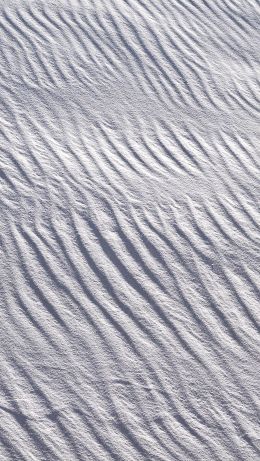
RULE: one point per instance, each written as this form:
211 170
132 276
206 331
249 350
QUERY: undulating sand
129 188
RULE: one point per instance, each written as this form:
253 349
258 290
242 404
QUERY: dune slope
129 189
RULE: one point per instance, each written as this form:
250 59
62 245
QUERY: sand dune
129 180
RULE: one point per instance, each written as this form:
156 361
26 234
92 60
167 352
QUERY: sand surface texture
129 230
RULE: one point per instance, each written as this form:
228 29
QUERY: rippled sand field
129 230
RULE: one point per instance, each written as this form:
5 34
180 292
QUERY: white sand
129 230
